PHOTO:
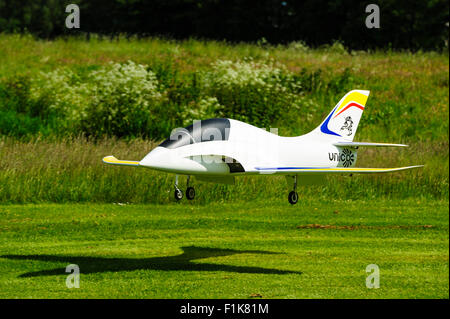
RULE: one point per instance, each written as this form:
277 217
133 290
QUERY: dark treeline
411 24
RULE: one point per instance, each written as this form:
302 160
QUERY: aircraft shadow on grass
182 262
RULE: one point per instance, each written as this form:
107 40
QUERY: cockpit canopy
200 131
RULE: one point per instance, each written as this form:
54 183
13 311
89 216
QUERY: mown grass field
59 204
253 250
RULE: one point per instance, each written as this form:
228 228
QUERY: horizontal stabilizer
357 144
114 161
325 170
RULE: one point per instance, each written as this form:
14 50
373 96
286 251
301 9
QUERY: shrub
60 92
19 124
336 47
20 114
257 93
298 46
116 100
125 100
205 108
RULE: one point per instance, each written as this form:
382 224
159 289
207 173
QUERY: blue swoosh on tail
324 126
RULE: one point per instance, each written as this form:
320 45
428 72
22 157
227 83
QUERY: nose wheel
178 194
190 191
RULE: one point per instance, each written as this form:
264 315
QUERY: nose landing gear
190 191
178 194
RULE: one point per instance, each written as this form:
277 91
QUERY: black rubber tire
293 198
190 193
178 194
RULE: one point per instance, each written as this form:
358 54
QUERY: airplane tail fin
343 120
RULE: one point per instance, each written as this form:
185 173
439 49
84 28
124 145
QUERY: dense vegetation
147 87
63 103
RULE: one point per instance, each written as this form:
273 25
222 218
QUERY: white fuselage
256 150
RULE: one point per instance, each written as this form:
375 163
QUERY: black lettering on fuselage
336 157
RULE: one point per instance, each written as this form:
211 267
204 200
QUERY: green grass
317 249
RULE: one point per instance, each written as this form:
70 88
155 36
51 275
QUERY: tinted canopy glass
200 131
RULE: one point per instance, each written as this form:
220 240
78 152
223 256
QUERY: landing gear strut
190 191
178 192
293 196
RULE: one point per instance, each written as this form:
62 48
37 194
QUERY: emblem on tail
348 125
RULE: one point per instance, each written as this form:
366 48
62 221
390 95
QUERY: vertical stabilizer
343 120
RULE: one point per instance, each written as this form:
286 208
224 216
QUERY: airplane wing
357 144
324 170
114 161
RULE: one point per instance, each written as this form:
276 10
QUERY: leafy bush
20 114
336 47
125 100
119 99
298 46
257 93
18 124
15 94
203 109
60 92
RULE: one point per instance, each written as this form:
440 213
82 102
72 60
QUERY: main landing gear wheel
293 197
190 193
178 194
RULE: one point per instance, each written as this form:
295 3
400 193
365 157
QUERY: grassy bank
319 249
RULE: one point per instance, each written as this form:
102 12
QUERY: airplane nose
170 160
157 158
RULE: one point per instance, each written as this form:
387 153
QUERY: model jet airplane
217 150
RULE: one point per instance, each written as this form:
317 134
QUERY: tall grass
71 170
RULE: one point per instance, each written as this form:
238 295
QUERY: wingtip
415 166
113 160
109 157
